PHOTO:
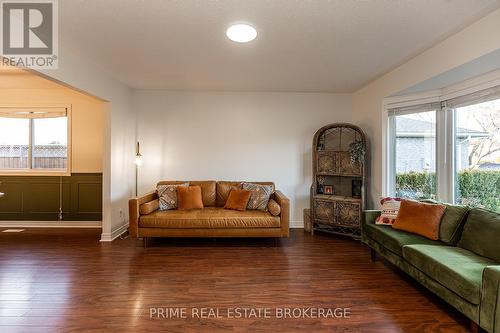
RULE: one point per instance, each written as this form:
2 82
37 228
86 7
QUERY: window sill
42 172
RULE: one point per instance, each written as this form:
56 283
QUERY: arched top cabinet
338 184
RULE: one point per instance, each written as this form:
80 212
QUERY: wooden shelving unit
339 212
336 198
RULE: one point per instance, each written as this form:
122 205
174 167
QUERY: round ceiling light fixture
241 33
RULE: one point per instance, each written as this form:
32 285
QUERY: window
415 155
14 143
33 140
413 151
425 138
477 155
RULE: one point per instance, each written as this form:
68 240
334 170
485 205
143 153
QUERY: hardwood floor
64 280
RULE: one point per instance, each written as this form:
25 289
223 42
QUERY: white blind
398 111
474 98
33 113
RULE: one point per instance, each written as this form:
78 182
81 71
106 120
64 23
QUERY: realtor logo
29 33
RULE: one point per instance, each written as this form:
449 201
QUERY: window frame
445 132
42 172
391 146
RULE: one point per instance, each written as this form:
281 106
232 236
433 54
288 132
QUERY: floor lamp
138 163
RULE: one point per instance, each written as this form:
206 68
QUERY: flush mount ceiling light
241 33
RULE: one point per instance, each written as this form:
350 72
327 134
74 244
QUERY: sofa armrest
368 216
284 203
133 211
489 313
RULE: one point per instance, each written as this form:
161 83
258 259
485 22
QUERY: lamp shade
138 160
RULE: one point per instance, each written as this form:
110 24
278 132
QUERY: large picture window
33 140
448 150
477 155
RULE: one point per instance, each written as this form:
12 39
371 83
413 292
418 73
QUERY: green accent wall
36 198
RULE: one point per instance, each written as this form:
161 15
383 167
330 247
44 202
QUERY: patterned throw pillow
167 195
260 195
390 208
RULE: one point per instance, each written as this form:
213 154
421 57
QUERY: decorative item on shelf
321 144
357 151
321 147
356 188
338 187
328 189
321 182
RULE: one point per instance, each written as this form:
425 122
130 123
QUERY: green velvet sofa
462 267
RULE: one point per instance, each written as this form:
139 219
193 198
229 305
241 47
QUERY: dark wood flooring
64 280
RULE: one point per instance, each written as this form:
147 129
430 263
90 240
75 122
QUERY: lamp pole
138 163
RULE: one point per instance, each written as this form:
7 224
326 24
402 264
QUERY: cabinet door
348 213
324 211
345 166
326 163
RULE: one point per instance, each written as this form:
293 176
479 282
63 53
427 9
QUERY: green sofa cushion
457 269
451 223
481 233
393 239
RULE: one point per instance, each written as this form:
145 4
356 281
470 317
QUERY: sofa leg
474 328
373 255
276 241
145 241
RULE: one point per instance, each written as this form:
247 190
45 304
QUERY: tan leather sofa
212 221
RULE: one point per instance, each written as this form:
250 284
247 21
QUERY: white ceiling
302 45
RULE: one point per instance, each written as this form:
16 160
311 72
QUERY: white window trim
444 141
43 172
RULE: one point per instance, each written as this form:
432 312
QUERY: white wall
465 46
77 71
234 136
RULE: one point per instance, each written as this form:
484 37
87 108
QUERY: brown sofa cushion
223 190
207 189
209 217
149 207
419 218
238 200
189 197
273 207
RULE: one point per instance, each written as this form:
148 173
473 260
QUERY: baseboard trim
50 224
296 224
111 236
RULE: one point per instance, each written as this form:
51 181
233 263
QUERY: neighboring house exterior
490 166
416 145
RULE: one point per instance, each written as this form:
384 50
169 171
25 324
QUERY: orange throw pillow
189 197
238 199
419 218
